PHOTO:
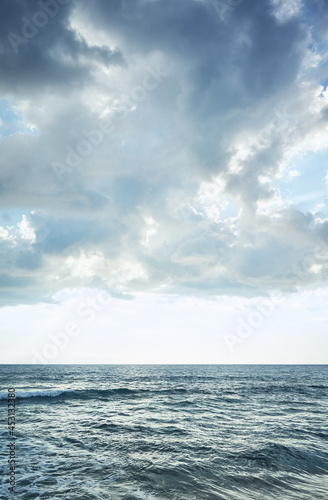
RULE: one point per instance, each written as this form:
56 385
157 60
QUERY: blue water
167 432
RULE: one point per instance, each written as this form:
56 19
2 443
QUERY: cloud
173 128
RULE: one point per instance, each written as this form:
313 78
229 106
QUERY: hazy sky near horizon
163 181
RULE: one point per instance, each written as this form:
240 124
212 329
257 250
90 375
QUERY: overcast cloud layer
173 146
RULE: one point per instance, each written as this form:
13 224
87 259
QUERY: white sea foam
143 496
34 394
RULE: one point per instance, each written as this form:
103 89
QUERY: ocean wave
280 457
305 389
95 393
34 394
225 395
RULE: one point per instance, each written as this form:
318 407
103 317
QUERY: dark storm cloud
39 51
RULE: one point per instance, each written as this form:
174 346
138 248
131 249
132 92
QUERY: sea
166 432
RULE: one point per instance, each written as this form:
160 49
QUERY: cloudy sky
163 181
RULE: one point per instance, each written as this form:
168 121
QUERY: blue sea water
175 432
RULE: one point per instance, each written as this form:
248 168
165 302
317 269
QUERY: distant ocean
174 432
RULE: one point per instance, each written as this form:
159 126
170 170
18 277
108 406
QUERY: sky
163 181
